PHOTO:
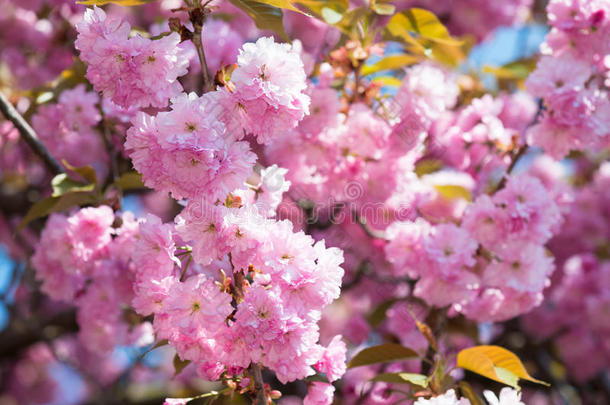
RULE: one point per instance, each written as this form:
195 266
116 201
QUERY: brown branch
512 165
29 135
259 385
197 17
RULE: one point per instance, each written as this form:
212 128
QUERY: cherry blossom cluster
266 310
575 315
132 71
300 208
491 267
84 259
269 314
69 129
572 79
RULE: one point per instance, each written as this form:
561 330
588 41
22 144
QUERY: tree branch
259 384
512 165
29 135
197 17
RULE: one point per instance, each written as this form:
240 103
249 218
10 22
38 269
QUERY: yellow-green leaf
425 24
381 354
48 205
496 363
87 172
382 8
453 192
427 166
285 4
130 181
402 378
121 2
265 16
391 62
423 34
331 16
63 184
507 376
387 81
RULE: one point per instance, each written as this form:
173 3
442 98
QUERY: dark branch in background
23 333
28 135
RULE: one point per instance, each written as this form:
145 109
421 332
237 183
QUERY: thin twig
373 233
29 135
512 165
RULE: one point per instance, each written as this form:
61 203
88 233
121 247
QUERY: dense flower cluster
285 279
576 314
132 71
188 150
572 79
265 210
69 130
85 259
494 258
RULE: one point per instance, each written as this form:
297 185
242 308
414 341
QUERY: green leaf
49 205
265 16
390 63
331 16
496 363
179 364
507 376
130 181
63 184
87 172
402 378
121 2
381 354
